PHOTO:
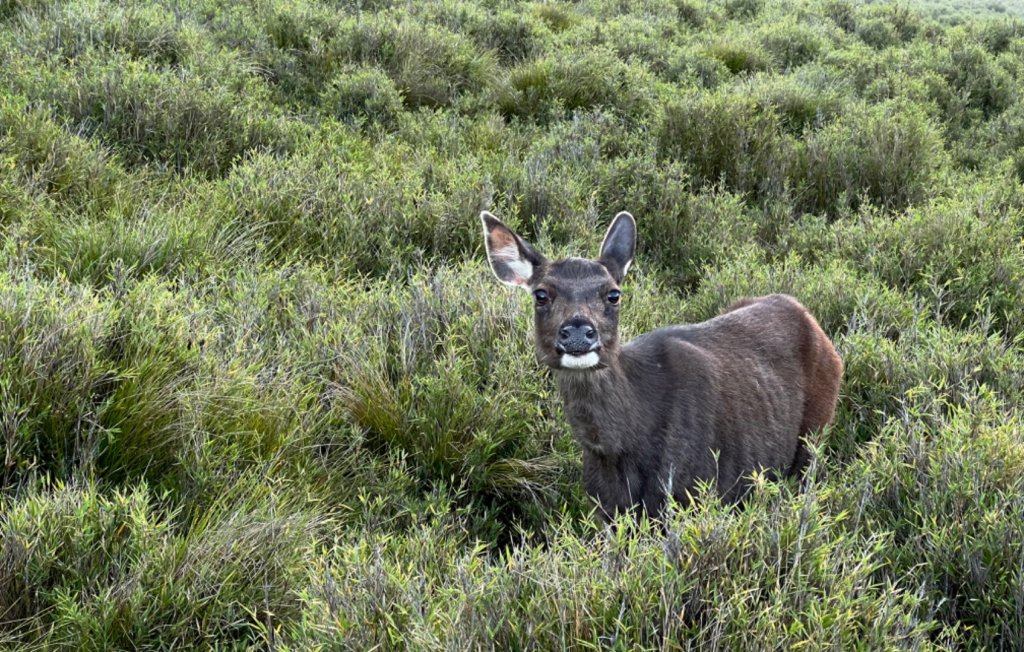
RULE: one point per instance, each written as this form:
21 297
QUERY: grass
258 388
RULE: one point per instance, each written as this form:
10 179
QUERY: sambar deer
712 402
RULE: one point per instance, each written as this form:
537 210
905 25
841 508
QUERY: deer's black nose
577 336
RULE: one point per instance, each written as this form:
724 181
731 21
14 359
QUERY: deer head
576 301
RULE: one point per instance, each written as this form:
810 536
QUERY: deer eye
541 296
614 296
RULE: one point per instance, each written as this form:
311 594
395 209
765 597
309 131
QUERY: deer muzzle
577 337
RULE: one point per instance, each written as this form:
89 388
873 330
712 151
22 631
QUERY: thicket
259 389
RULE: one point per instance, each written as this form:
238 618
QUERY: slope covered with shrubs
259 389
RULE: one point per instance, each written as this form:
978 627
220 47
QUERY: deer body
710 402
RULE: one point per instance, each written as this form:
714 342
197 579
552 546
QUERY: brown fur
709 402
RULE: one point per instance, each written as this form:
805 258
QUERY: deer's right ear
619 246
512 259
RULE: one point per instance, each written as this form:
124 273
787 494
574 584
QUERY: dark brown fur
709 402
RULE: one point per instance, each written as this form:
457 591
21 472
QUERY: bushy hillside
259 389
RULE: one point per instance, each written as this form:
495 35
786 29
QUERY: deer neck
598 404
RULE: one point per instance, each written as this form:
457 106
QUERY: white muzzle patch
585 361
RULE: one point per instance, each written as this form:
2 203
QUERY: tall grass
259 390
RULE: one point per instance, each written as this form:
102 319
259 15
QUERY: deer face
576 301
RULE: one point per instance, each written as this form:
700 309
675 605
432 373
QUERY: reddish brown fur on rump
823 368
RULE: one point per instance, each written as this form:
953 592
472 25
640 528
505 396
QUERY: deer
712 403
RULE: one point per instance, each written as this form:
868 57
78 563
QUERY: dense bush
727 138
362 94
884 155
259 390
112 570
547 88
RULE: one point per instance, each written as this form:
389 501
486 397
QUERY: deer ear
512 259
619 245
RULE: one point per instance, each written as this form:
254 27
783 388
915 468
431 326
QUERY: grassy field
258 388
960 11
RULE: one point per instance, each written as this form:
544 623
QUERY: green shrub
681 233
966 465
805 100
974 76
74 172
513 35
54 376
114 571
877 33
696 67
790 44
154 345
742 9
557 16
639 39
430 66
547 88
140 31
837 294
258 388
883 372
998 35
427 376
553 184
726 138
85 214
885 25
360 94
715 578
691 13
159 241
963 263
739 55
178 121
13 8
351 209
843 13
886 154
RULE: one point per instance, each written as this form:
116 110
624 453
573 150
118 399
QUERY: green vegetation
258 388
955 12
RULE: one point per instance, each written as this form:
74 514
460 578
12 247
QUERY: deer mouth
581 360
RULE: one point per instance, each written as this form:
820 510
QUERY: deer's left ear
619 246
513 260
